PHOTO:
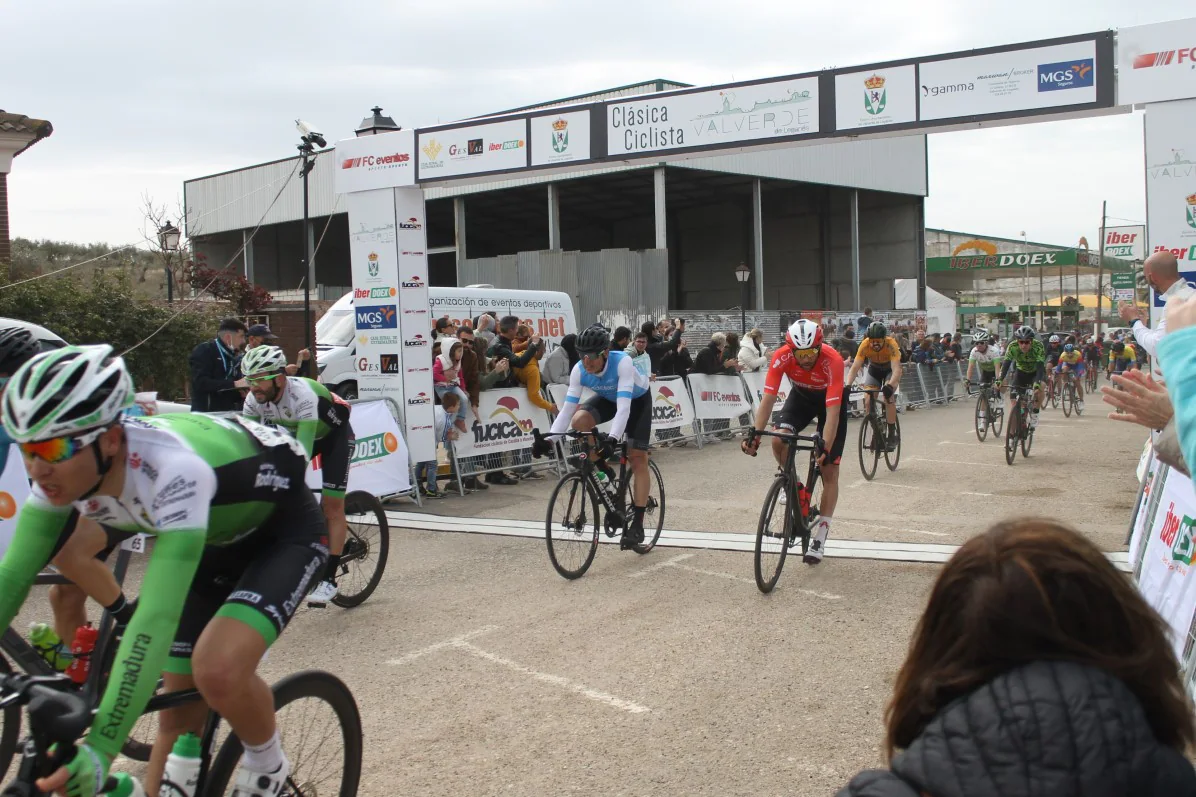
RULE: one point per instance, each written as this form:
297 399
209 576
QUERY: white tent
940 311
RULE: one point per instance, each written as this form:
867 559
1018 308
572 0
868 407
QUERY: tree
245 297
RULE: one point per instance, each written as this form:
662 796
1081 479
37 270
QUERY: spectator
448 406
863 321
1161 270
903 345
731 354
493 373
1012 685
484 329
501 348
1176 356
952 351
678 362
444 328
529 375
924 354
214 378
1143 401
448 378
638 351
666 341
471 371
620 339
752 355
558 366
260 334
846 344
710 359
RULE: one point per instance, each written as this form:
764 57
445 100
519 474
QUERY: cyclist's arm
305 434
38 529
623 394
569 406
971 369
895 363
764 410
834 400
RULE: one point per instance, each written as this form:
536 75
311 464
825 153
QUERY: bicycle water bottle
81 648
49 646
126 786
182 768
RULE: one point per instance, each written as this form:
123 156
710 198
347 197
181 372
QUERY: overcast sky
143 94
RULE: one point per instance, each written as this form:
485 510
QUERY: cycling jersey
1092 353
190 480
1052 353
620 382
826 376
1029 361
985 360
888 354
306 408
1071 359
1128 354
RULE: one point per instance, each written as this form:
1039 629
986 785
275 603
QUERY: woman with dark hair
1036 669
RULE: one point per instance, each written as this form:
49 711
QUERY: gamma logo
1066 75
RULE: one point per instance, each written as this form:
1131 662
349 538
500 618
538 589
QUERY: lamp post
742 275
168 241
1025 274
310 140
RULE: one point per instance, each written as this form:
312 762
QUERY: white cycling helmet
263 360
804 334
980 336
1054 338
65 392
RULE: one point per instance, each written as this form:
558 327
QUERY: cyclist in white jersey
622 395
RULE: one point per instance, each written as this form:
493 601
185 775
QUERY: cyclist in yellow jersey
1073 360
883 357
1122 357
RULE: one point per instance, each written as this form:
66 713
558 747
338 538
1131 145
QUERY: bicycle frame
618 503
795 443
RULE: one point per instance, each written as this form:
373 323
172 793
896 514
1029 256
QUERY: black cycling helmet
1024 333
877 330
16 346
594 339
1118 347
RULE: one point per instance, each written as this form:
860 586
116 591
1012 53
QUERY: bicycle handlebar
54 708
815 441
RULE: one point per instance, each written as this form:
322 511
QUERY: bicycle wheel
982 420
1090 379
11 717
654 513
772 536
309 707
1011 434
367 546
894 456
996 412
1054 394
571 547
870 443
1068 399
1027 440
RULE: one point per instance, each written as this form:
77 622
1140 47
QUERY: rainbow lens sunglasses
59 449
264 378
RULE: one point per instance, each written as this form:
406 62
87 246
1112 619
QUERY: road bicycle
323 761
1019 431
875 435
572 526
1052 390
1090 377
367 547
1069 398
990 411
778 531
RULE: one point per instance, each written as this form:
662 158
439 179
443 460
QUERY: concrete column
662 238
855 250
920 237
247 255
459 231
758 242
554 216
825 219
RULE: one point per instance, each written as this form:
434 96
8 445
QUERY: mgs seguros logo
377 316
1066 75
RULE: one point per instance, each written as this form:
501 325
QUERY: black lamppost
168 241
311 139
742 275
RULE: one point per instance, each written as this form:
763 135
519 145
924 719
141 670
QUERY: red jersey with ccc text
825 377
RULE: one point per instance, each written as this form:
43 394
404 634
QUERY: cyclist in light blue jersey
622 395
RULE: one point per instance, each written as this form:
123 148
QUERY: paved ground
480 671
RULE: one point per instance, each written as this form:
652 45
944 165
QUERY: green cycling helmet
263 361
65 392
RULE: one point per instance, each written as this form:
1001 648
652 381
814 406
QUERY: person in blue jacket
1177 354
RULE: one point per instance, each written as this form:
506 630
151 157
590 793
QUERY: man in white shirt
1162 272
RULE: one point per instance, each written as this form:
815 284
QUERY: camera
309 134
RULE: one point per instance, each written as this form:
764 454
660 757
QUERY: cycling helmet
16 346
980 336
877 330
263 360
1024 333
1054 338
1069 348
594 339
66 391
804 334
1119 347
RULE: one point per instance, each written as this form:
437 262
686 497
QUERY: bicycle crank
614 523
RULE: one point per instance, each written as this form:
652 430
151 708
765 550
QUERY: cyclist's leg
335 451
1078 380
795 415
639 438
830 468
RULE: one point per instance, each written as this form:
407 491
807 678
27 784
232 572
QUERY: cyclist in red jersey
815 372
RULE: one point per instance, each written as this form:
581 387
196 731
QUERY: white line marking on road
953 443
890 528
729 576
448 643
953 462
983 495
667 563
555 680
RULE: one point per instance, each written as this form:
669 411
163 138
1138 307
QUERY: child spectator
449 404
448 378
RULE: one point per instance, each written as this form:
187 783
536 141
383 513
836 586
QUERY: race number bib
270 436
136 543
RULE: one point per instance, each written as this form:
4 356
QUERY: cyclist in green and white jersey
239 539
983 358
319 420
1029 356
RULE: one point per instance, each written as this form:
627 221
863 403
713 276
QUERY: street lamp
742 275
311 139
168 241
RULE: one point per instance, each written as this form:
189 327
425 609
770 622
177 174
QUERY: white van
549 313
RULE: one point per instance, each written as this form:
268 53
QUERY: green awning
1016 263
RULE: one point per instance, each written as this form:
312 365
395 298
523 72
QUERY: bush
105 308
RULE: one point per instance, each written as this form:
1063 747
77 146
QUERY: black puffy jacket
1048 729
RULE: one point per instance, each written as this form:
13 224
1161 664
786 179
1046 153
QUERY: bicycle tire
893 457
1027 441
766 577
1054 394
1067 400
307 684
576 481
358 548
982 412
1011 435
11 731
656 512
869 441
996 410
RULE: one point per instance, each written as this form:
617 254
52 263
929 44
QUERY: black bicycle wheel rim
893 457
1067 400
321 686
654 513
869 440
12 726
1027 441
572 549
367 547
982 420
1011 436
772 538
1055 394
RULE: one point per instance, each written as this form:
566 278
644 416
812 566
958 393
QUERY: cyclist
16 346
983 358
1053 349
1122 357
1072 360
319 420
238 539
1092 353
1028 354
883 356
622 395
816 373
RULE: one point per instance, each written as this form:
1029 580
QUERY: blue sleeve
1177 351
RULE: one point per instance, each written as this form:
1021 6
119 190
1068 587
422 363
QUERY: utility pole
1100 267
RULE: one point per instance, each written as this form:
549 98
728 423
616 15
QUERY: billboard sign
1171 184
369 162
887 96
1126 243
560 138
1156 63
463 151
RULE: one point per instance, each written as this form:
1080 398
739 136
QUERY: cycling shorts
260 579
1121 366
987 377
803 406
335 449
1023 378
877 375
639 422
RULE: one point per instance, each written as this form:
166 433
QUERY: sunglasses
59 449
1024 342
805 352
592 357
266 378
